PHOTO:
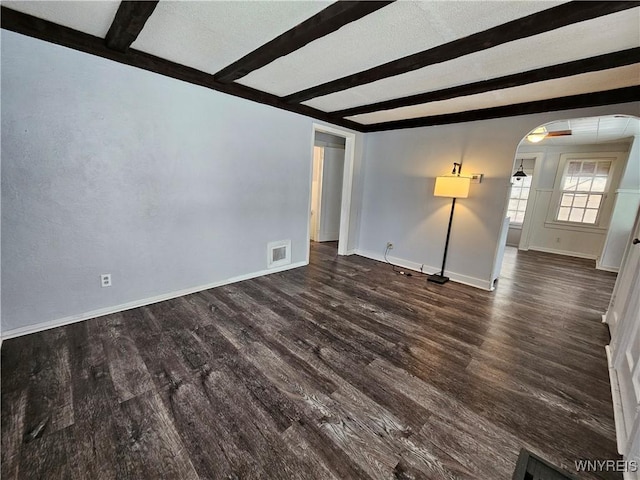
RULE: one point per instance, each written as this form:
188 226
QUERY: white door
623 317
331 194
316 193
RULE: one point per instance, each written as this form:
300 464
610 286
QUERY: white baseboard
328 237
563 252
606 268
617 403
409 265
351 252
38 327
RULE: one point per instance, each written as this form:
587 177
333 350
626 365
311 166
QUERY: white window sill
575 227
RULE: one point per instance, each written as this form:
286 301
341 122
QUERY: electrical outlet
105 279
389 245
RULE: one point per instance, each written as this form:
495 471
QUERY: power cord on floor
399 271
394 267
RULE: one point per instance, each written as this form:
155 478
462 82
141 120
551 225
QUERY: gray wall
398 205
111 169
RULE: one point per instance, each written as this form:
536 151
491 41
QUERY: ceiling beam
577 67
544 21
67 37
596 99
128 23
329 20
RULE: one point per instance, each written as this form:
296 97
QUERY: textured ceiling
89 17
561 87
401 29
618 31
210 35
333 42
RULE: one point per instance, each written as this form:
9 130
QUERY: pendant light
520 172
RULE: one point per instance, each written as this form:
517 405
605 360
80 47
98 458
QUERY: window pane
576 214
594 201
570 183
583 176
513 204
574 168
519 217
522 205
603 168
563 214
580 200
584 184
515 192
525 193
526 181
567 198
599 184
511 214
590 216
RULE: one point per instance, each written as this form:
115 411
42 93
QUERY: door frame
525 234
347 184
621 339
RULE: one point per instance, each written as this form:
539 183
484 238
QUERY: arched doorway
575 188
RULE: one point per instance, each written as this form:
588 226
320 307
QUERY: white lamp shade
452 187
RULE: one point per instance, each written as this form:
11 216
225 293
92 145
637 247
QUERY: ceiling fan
541 133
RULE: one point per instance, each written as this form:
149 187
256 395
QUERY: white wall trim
38 327
606 207
409 265
563 252
347 182
538 161
606 268
617 403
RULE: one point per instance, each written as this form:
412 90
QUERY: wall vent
278 253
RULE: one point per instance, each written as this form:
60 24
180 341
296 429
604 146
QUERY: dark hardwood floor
342 369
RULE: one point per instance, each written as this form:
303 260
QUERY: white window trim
529 172
604 214
532 203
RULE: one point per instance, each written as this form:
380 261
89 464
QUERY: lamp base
440 279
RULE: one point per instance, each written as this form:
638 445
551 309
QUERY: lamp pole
440 278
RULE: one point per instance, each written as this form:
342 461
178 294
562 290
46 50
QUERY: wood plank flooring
339 370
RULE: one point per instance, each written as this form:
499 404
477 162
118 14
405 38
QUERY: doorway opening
331 185
326 187
579 190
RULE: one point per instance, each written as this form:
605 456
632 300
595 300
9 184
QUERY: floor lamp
451 186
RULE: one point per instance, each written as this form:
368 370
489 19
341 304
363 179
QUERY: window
518 201
583 188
